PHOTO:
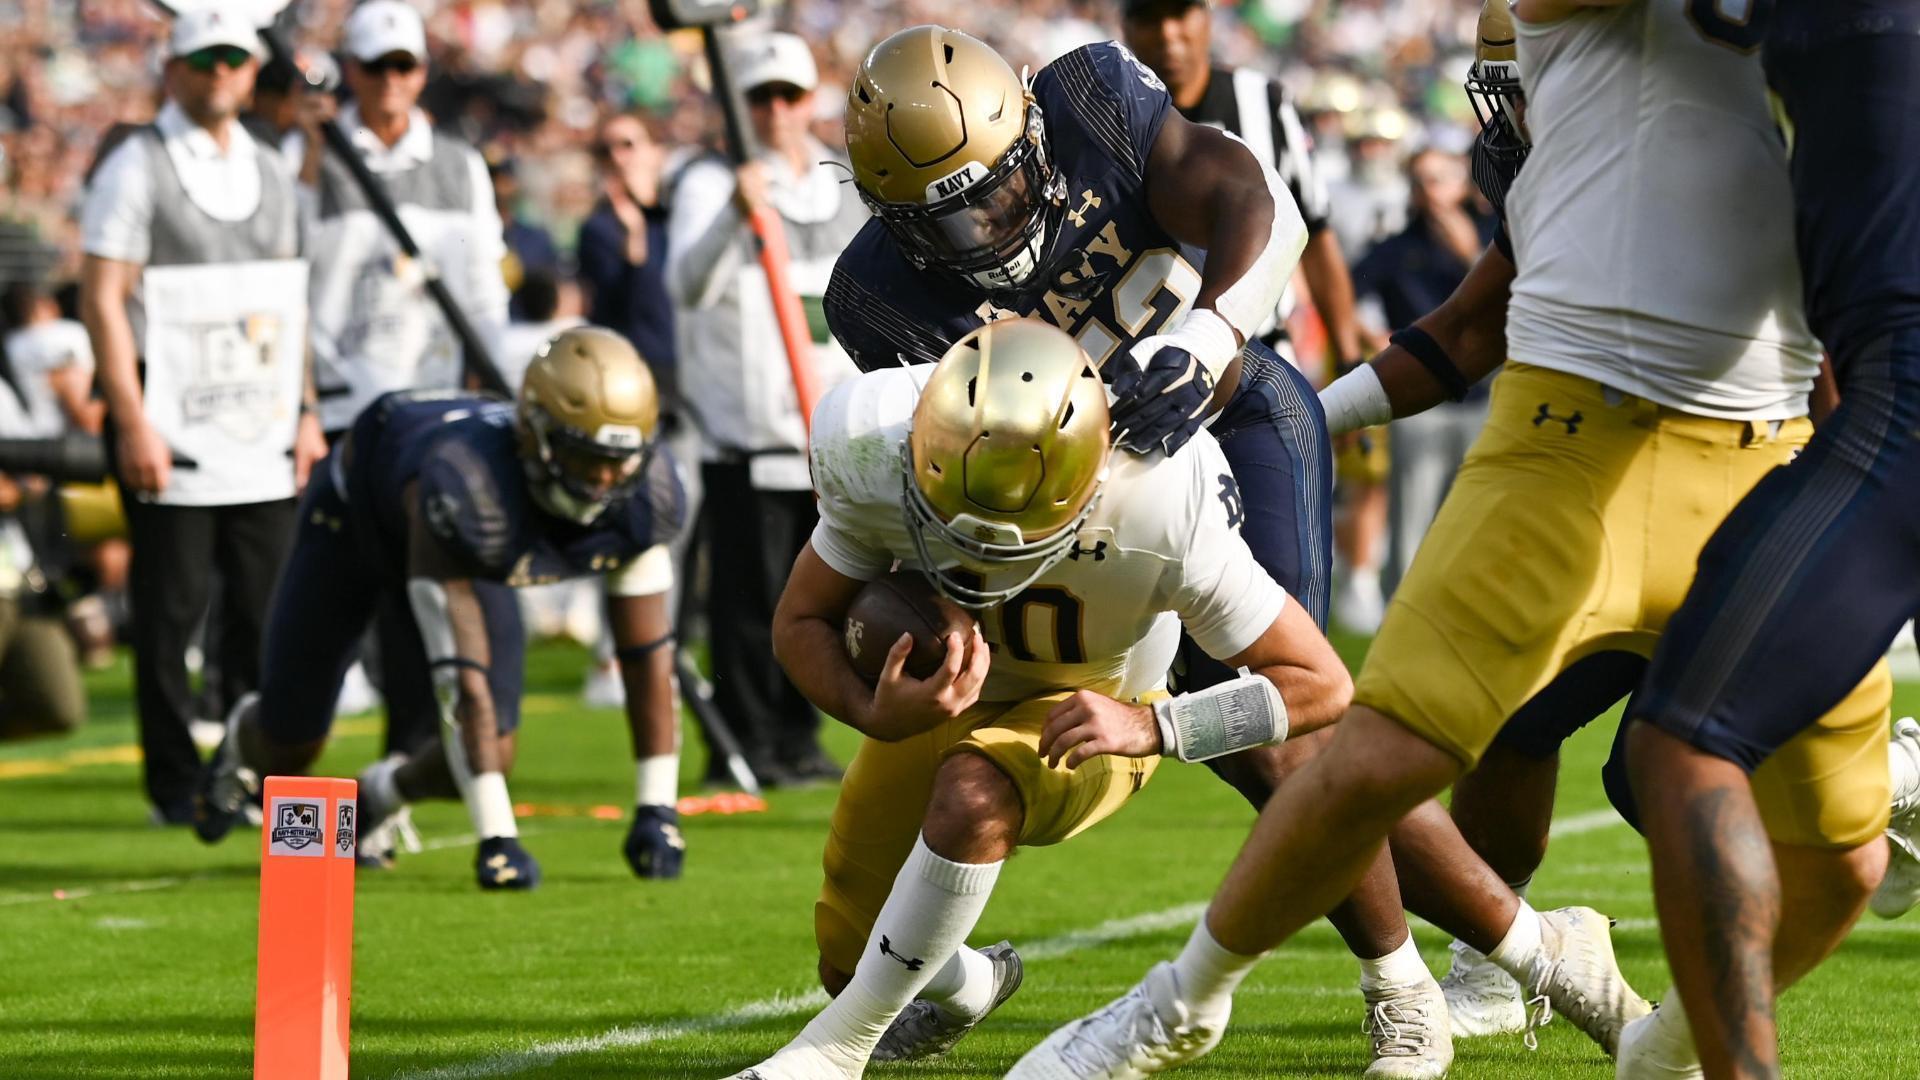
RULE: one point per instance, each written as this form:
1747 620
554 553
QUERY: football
903 602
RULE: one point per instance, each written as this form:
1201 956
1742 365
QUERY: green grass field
129 950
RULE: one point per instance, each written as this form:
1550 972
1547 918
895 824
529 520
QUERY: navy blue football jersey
1848 74
456 457
1118 276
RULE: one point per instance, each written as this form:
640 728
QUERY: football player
1804 586
1661 366
1073 199
440 503
993 474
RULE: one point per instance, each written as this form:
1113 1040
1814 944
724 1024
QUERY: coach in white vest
194 297
375 327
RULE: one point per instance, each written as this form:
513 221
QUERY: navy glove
1161 407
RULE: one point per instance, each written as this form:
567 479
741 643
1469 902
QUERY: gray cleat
924 1029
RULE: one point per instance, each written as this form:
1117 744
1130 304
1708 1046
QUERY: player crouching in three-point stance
442 502
997 480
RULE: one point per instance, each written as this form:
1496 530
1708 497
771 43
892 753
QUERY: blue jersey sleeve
881 308
1103 94
469 507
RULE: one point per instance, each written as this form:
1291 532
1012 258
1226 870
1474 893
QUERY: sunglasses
396 63
765 93
205 60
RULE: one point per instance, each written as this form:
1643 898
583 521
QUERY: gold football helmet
949 150
1006 457
588 412
1493 81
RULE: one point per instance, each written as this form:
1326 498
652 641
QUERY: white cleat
1578 977
1408 1025
798 1061
605 688
1481 998
1899 891
1146 1030
1658 1046
924 1029
379 819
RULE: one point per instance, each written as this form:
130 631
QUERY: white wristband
1226 718
1210 338
657 780
1356 400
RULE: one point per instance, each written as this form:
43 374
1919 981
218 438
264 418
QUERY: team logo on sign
296 825
343 830
233 386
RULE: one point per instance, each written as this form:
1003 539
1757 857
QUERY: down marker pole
304 997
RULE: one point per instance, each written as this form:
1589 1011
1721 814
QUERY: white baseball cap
379 27
774 58
218 24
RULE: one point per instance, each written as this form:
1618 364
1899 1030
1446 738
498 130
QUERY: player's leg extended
1797 595
320 606
1473 632
989 791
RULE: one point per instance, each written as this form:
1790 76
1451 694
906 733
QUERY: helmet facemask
1493 86
982 546
576 475
996 226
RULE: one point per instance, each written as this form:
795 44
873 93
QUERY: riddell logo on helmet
957 181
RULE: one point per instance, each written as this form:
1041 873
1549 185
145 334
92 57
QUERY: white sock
657 780
1522 946
1401 967
927 917
1671 1020
964 984
382 788
490 807
1209 973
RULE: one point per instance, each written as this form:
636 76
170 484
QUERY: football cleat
1408 1026
1577 975
1899 891
1144 1031
1658 1046
1481 999
655 848
503 864
924 1029
226 784
379 818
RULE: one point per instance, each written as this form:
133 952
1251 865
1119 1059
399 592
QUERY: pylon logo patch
343 832
295 827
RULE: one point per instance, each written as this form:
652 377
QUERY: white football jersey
1162 548
1653 222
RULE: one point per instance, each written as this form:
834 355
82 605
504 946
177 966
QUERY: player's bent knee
975 813
1384 769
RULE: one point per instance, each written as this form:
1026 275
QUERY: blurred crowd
589 118
529 80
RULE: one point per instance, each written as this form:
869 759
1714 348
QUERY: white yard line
543 1054
1591 821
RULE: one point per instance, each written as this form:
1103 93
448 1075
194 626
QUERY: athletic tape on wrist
1356 400
1239 714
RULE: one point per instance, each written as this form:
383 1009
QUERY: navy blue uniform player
1806 583
1075 209
440 504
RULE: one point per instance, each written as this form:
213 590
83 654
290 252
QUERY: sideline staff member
195 300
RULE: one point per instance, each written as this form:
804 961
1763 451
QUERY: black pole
737 144
479 362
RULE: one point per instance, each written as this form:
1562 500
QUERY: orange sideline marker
304 996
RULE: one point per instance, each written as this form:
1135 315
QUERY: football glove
655 848
1161 397
503 864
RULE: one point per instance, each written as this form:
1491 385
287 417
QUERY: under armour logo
1230 495
1089 201
1098 551
1572 422
886 949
